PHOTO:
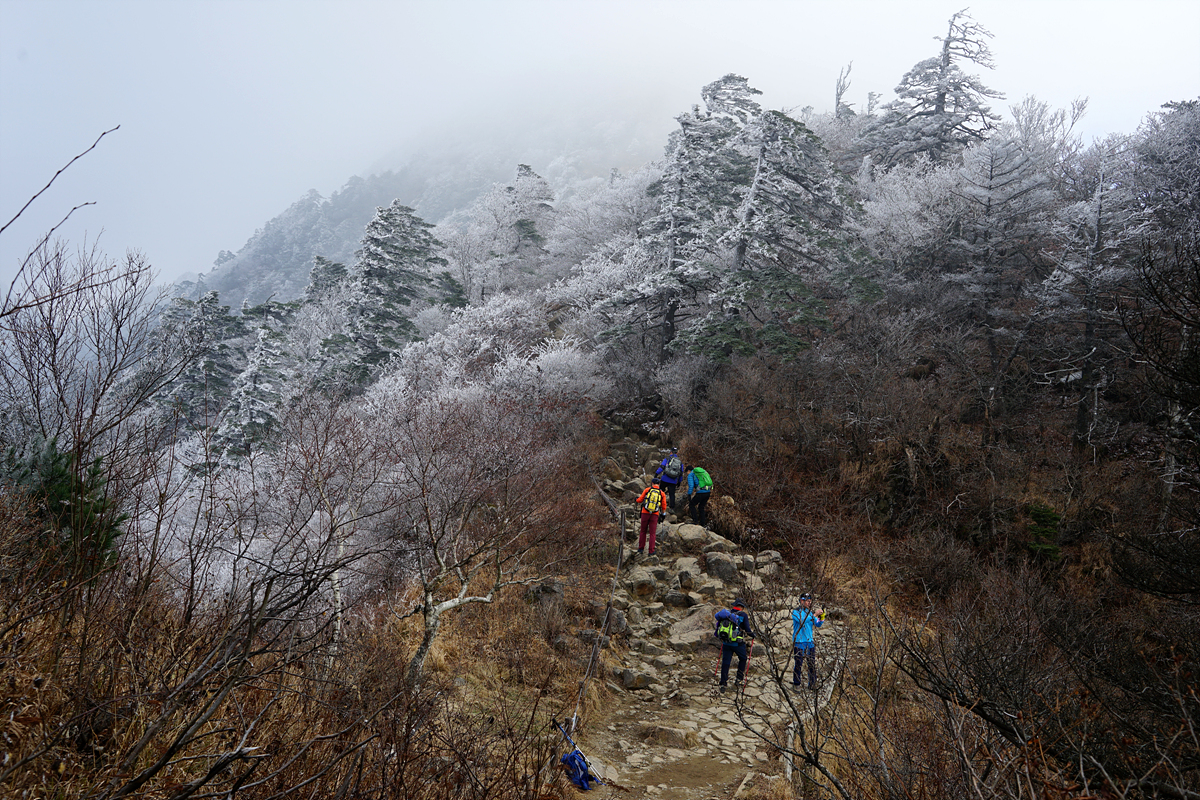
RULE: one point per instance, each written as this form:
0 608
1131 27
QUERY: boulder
721 565
690 642
767 570
691 535
547 592
641 582
634 679
676 599
687 563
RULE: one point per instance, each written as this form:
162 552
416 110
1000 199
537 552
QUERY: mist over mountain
442 175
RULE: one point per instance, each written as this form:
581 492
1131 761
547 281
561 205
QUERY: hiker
670 472
651 501
699 489
737 636
804 620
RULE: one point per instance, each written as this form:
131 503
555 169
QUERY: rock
689 564
720 565
676 599
669 737
720 546
696 599
686 581
768 570
611 471
753 583
641 582
710 589
634 679
545 592
636 615
664 661
689 642
617 623
691 535
772 556
651 649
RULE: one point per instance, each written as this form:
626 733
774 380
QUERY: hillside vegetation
947 368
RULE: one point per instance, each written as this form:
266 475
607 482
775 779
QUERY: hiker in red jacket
651 501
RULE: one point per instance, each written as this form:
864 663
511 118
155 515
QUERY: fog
230 111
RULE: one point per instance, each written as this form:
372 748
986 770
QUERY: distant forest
258 532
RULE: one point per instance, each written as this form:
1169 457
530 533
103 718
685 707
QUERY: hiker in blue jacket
670 472
804 620
738 640
699 489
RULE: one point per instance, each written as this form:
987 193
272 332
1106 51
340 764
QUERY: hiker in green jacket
699 488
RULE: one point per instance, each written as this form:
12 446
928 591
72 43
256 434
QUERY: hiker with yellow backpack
736 635
699 489
652 502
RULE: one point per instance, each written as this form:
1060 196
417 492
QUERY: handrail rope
595 657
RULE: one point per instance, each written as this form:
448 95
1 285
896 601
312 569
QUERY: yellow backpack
654 501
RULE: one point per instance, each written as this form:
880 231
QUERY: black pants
670 488
697 507
727 651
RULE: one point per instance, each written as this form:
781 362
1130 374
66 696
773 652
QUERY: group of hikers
734 629
659 496
737 635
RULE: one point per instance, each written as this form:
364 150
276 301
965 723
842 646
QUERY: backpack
674 467
654 501
577 770
727 627
703 481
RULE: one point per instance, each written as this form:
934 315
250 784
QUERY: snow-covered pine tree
699 197
787 230
939 109
201 391
395 263
253 408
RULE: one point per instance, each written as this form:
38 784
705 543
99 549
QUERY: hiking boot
721 688
641 551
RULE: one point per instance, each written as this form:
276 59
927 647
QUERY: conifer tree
939 108
395 261
787 228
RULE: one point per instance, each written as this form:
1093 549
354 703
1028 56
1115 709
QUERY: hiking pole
575 747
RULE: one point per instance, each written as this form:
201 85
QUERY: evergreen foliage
81 523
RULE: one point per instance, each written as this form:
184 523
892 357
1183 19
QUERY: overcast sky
230 110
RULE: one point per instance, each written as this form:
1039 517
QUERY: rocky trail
665 731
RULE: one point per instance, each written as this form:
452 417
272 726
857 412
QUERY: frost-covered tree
201 391
787 228
1094 237
252 412
595 216
699 199
911 214
1168 154
396 260
939 109
498 243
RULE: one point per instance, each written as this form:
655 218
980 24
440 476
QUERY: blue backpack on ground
577 770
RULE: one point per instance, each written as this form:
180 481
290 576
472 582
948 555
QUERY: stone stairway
669 733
